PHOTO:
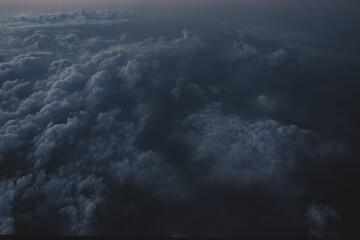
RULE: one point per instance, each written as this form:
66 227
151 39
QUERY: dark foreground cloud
100 127
322 221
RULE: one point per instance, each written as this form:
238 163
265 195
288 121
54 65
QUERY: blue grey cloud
53 113
244 152
76 17
322 221
95 120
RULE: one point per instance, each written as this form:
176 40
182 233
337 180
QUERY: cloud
266 103
243 50
186 34
67 121
7 142
240 152
76 17
21 65
276 57
92 123
322 221
6 225
131 73
185 89
7 191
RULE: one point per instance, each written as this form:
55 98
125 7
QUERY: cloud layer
99 127
79 17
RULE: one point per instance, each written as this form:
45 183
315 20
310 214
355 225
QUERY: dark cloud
322 221
266 103
57 117
243 152
21 65
101 125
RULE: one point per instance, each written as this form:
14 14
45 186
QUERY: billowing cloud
93 121
61 114
244 152
276 57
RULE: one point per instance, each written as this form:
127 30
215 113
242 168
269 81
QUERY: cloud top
79 17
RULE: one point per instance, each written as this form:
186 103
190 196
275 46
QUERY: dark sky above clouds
180 118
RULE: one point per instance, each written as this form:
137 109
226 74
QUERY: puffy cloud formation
92 122
66 123
322 221
245 51
243 152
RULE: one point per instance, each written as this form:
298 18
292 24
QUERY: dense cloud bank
99 130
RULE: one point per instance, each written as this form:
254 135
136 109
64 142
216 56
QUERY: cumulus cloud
63 120
243 152
245 51
84 116
21 65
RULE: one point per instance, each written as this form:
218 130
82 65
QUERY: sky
180 118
